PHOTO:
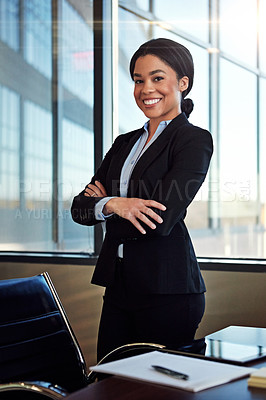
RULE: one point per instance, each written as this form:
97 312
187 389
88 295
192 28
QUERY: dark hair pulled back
174 54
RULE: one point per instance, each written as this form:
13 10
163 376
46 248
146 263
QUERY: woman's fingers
155 204
136 210
101 188
96 190
142 217
137 225
89 192
152 214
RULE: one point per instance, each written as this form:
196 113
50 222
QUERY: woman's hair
176 56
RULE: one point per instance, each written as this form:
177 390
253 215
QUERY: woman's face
157 91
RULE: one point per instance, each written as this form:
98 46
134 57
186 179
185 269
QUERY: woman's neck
152 127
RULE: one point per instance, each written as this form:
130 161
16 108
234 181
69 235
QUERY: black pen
170 372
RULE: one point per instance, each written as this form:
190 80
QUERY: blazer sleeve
183 180
82 209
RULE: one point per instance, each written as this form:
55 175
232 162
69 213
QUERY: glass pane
26 120
238 162
36 187
77 43
26 130
191 17
78 162
9 26
38 35
142 4
77 123
238 29
262 173
262 37
9 168
132 33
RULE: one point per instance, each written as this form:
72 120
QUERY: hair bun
187 106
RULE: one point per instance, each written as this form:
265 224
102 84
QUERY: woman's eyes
156 79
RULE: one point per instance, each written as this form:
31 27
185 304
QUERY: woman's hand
96 190
134 209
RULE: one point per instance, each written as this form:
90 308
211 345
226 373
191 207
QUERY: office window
78 158
29 163
238 29
26 173
262 175
77 119
137 4
77 54
262 35
9 26
191 17
36 221
9 165
37 37
238 160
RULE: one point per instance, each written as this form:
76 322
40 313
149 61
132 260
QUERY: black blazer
170 171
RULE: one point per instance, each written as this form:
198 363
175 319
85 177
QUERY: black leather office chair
36 340
39 353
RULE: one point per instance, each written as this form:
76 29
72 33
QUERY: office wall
232 298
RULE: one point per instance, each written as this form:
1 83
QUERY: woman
154 288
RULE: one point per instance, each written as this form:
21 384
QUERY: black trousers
168 319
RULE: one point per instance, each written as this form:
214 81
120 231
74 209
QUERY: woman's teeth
152 101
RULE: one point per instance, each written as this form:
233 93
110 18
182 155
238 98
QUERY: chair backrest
36 339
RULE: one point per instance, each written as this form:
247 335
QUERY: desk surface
116 388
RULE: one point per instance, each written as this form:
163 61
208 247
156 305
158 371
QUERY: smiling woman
171 71
158 91
154 288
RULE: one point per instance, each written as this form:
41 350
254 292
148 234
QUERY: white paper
203 374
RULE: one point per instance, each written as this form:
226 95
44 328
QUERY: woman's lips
151 102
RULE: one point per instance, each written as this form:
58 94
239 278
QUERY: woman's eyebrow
156 71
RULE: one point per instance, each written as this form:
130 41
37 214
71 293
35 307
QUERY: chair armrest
127 350
46 389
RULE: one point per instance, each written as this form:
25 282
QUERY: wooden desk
115 388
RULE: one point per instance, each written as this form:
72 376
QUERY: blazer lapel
154 150
121 157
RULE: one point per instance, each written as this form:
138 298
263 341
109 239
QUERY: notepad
203 374
258 378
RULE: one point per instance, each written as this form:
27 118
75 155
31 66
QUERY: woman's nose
148 87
